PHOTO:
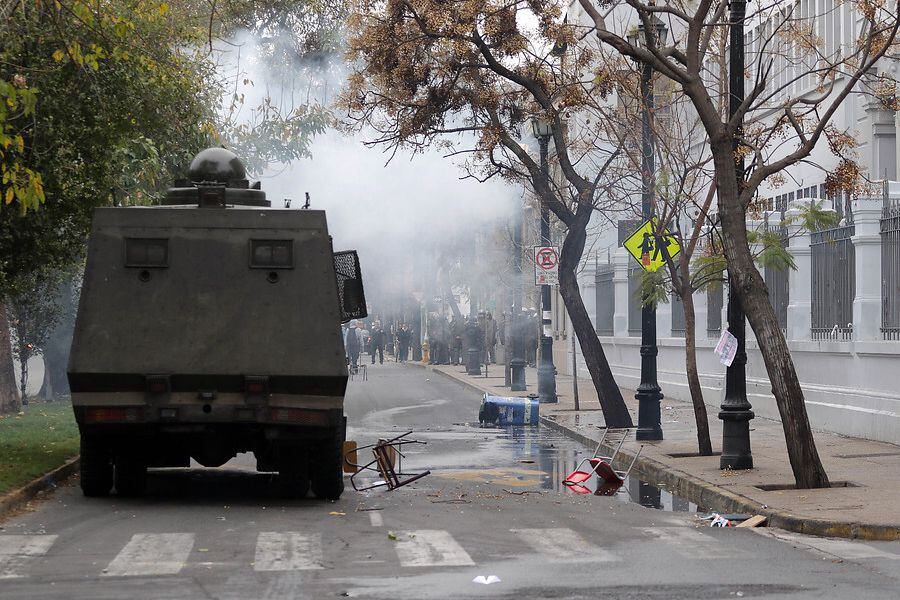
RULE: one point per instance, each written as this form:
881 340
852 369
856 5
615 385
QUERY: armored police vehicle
209 326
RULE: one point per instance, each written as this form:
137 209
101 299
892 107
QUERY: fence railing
678 324
890 269
634 302
606 299
833 283
715 301
777 279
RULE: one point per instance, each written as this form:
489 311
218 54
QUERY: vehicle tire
96 467
131 476
293 474
326 467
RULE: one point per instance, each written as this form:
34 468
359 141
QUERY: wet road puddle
530 458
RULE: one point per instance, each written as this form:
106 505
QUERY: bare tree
797 83
469 76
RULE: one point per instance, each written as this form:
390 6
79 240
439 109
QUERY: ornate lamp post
517 363
736 413
648 392
474 342
543 130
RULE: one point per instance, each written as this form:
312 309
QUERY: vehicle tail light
158 384
113 414
255 385
299 416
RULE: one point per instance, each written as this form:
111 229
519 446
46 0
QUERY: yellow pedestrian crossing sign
651 250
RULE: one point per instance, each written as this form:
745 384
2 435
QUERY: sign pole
546 369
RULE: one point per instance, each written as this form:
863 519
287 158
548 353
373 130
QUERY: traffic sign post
546 265
651 249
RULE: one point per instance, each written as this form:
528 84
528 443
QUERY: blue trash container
509 410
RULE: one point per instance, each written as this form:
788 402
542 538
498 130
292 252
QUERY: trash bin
509 410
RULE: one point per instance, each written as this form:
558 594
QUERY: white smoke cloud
388 212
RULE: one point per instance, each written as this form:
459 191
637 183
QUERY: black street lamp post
473 344
648 393
517 363
736 413
546 369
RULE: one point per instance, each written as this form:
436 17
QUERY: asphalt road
492 507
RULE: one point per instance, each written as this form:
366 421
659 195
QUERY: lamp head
541 127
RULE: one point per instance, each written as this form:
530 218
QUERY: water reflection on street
536 457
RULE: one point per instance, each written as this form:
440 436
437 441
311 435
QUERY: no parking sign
546 265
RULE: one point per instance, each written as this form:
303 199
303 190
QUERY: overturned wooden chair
387 462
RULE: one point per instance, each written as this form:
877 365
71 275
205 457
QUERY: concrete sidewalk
867 508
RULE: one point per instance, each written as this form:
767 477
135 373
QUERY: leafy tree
104 103
33 314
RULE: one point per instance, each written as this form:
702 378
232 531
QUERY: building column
620 283
799 310
664 320
587 281
883 155
867 249
701 309
897 142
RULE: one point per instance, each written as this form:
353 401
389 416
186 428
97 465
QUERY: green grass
35 442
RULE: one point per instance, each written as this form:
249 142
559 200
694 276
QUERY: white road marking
375 518
840 548
430 548
17 550
690 543
152 554
563 544
288 551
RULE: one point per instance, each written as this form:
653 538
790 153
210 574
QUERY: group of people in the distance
446 341
374 339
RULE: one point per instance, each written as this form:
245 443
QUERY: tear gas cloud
389 212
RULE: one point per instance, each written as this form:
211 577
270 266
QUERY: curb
462 382
48 481
715 498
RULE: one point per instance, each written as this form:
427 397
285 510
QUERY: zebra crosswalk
152 554
17 550
160 554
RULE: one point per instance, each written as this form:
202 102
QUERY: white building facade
840 307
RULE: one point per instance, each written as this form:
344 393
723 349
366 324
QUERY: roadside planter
509 410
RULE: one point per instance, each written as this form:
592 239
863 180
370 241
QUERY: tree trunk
615 412
23 379
9 397
704 445
753 295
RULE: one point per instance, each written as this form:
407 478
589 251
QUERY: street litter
392 536
387 462
335 513
601 479
486 580
754 521
724 520
509 410
720 521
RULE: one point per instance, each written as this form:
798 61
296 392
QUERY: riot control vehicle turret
210 325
